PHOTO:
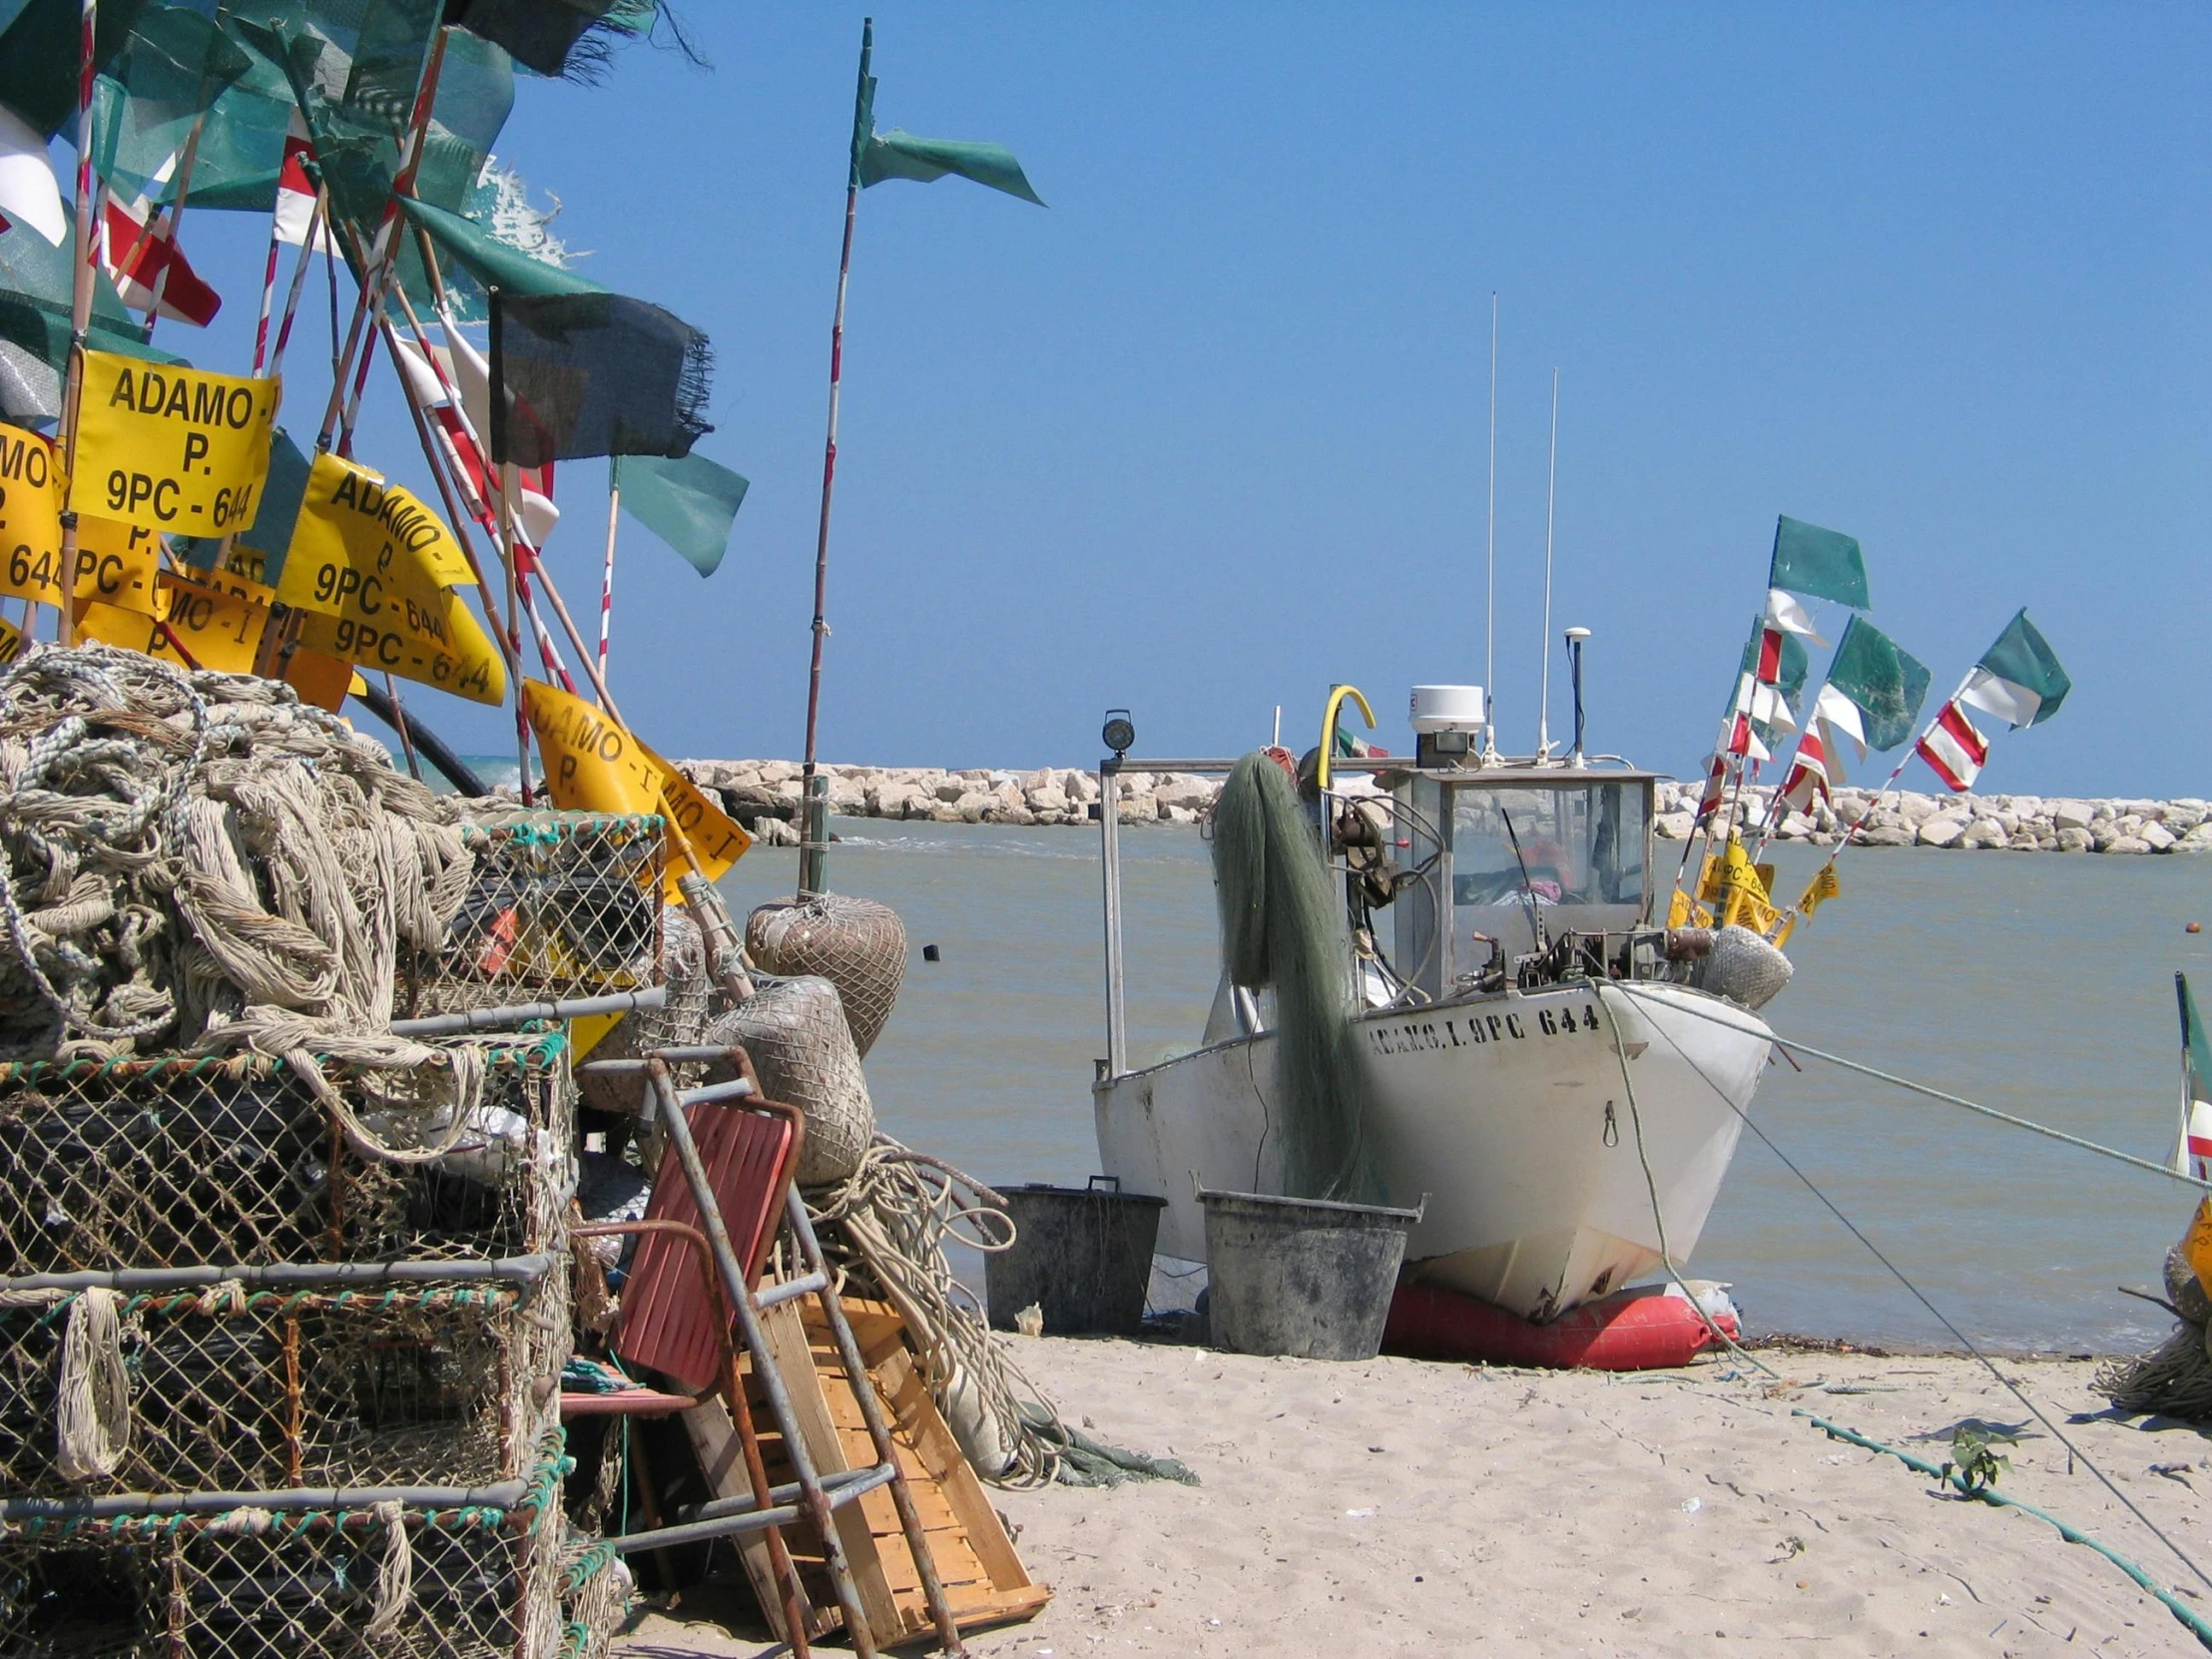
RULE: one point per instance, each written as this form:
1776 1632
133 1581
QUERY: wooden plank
983 1578
811 1388
713 1437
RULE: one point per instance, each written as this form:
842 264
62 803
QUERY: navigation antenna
1489 601
1551 497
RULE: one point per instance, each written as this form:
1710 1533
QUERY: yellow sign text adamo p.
166 447
31 489
592 764
362 547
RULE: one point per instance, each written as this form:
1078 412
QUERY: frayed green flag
690 503
170 75
2018 679
899 154
1884 681
1821 564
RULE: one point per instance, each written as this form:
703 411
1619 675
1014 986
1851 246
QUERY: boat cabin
1516 856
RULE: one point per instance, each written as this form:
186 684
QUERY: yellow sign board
112 625
445 648
221 630
120 565
362 545
166 448
31 489
594 764
11 642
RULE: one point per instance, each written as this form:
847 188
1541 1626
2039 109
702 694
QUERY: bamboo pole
607 582
85 250
815 814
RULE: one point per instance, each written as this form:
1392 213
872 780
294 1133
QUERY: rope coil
93 1411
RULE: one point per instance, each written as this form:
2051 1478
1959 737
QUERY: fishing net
679 1023
171 1163
1283 925
559 904
2174 1380
596 1592
229 1388
857 944
1743 967
205 860
796 1034
483 1581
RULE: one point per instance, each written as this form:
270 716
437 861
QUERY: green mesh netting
34 325
172 72
1282 924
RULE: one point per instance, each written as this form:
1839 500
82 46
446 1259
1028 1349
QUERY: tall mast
1489 596
1551 497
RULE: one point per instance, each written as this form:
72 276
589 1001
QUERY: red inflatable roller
1639 1330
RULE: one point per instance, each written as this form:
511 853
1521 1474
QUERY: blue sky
1208 435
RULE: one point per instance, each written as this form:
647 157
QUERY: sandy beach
1402 1506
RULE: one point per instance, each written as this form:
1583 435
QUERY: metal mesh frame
259 1584
171 1163
237 1391
560 904
596 1592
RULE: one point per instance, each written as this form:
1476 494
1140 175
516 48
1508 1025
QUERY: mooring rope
2073 1453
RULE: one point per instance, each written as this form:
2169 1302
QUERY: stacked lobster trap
282 1339
271 1383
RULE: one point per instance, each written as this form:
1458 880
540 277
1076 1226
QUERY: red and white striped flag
1790 617
457 427
1738 736
1716 784
1953 748
296 194
143 262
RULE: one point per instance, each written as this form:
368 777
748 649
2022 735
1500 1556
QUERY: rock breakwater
764 796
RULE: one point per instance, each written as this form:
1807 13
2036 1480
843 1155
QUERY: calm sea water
2042 985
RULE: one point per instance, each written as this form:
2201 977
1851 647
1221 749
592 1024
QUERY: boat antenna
1489 599
1527 887
1551 497
1277 741
1574 638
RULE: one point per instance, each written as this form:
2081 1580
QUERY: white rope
93 1406
394 1573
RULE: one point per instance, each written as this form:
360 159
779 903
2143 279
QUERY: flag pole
814 836
607 582
174 212
80 309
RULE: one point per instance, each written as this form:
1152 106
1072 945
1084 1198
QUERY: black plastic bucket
1083 1255
1301 1276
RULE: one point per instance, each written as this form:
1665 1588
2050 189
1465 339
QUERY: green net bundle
1283 925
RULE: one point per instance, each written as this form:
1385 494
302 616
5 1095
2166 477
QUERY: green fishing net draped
34 325
1283 925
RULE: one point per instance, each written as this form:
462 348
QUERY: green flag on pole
169 75
1885 682
2018 679
899 154
690 503
1821 564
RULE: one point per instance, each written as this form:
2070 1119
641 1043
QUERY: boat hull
1508 1116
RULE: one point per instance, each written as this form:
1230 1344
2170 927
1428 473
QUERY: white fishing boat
1551 1069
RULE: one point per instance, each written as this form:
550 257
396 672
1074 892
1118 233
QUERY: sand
1407 1507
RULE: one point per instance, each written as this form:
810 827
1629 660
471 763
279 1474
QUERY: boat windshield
1573 853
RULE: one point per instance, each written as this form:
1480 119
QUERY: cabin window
1571 853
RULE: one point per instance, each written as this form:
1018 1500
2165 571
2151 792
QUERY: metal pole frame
1109 836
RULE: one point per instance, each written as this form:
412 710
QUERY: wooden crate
984 1580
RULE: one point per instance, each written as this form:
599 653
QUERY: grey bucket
1083 1255
1301 1276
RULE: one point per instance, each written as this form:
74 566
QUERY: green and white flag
899 154
1820 564
2018 679
1884 680
690 503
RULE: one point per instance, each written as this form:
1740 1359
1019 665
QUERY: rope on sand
2198 1626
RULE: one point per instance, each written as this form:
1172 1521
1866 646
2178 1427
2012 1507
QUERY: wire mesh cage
560 904
444 1581
596 1592
226 1387
236 1160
